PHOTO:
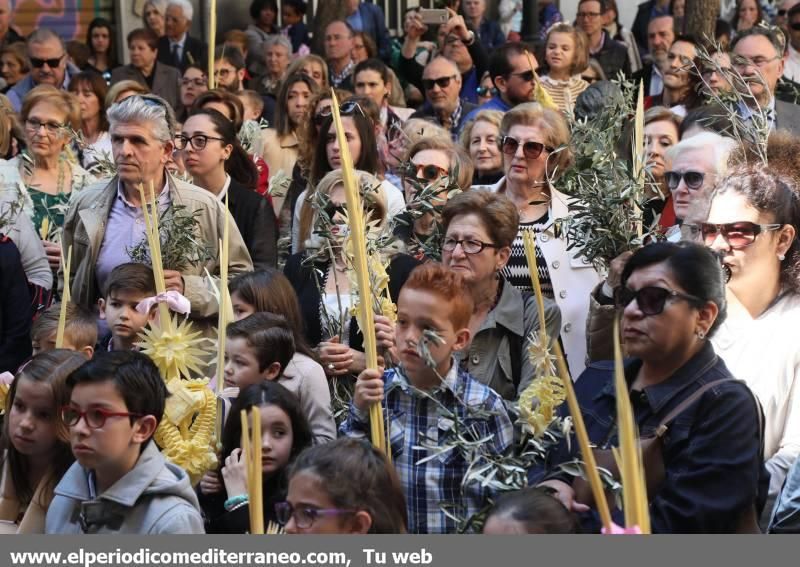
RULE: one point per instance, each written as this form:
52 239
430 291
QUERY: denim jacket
712 450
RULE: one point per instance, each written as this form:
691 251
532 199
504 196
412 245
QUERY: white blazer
573 280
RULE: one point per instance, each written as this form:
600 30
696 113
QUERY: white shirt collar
179 42
121 194
224 191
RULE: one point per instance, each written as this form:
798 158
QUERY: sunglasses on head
693 179
52 63
737 234
531 150
442 82
650 300
345 109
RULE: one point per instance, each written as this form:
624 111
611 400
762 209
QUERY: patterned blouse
516 270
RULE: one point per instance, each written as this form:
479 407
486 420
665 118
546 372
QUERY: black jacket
645 75
640 23
613 58
256 221
15 309
305 284
194 51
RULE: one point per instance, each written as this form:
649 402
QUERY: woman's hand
335 357
234 474
210 483
566 495
53 253
616 268
369 388
413 26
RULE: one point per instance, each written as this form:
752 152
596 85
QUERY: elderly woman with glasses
105 221
534 141
46 173
706 425
434 165
479 227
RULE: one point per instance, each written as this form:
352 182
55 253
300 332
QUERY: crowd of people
460 134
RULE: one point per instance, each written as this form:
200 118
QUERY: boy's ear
87 352
144 428
361 522
272 372
101 304
463 337
153 314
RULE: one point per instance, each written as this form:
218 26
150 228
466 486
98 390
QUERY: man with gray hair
177 48
695 164
49 65
105 221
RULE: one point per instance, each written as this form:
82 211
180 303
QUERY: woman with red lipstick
37 444
705 426
534 142
479 228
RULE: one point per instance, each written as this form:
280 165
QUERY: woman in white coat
533 142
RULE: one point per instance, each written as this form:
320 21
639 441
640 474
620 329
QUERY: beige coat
84 230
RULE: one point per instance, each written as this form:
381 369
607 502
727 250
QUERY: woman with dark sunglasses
752 223
706 423
533 141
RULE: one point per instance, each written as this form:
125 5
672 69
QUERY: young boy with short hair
253 104
120 482
433 299
126 287
257 348
80 330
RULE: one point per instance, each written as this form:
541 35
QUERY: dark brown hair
230 100
356 476
269 290
282 123
131 276
270 337
51 368
537 509
143 34
98 86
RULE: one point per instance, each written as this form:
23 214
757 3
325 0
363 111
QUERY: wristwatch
470 39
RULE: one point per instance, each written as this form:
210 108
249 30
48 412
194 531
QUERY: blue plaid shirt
421 428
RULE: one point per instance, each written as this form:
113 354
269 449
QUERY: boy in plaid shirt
422 398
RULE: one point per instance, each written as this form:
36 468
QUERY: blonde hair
493 117
295 67
552 124
64 101
580 58
367 184
118 88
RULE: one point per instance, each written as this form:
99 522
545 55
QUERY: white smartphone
434 16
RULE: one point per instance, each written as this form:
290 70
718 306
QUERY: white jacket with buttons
573 280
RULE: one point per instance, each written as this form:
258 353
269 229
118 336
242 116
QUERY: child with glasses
120 482
433 316
285 432
343 487
37 445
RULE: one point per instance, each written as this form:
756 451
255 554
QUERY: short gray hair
185 5
720 147
149 108
43 35
277 39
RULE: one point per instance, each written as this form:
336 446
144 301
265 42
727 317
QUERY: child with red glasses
37 445
120 482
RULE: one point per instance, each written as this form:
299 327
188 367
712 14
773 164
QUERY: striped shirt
564 93
420 428
516 270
